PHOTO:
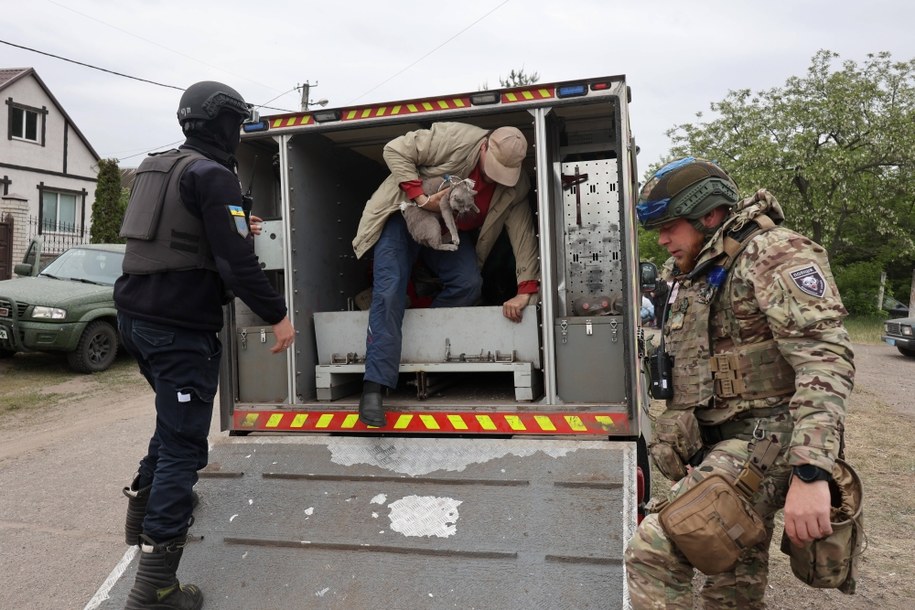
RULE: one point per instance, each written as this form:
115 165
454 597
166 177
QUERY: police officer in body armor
759 356
187 247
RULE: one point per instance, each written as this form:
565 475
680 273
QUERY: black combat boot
157 586
371 410
137 498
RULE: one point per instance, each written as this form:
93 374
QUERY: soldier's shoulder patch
809 279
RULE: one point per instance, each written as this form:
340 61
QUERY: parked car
895 308
900 332
67 307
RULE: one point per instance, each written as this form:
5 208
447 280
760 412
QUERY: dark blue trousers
182 366
395 253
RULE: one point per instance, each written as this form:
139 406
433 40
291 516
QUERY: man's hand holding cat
432 202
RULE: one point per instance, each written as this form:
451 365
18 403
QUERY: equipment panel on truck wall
386 522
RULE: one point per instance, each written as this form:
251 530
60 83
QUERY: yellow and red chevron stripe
527 95
563 423
291 121
405 108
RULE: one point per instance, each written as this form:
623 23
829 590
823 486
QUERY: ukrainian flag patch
238 216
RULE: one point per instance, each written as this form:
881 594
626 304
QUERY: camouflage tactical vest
722 366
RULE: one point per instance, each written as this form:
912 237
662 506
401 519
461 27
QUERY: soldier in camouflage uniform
754 326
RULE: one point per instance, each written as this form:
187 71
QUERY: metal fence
56 236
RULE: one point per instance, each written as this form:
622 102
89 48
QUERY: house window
58 212
24 124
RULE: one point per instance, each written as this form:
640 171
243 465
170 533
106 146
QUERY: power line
169 145
79 63
153 42
273 98
136 78
395 75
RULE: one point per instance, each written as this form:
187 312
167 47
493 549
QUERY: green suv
67 306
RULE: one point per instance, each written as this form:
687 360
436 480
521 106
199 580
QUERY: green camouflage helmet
686 188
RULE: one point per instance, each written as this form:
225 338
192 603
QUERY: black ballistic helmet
204 101
686 188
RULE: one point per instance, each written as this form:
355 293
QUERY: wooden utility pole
307 102
882 289
306 88
912 295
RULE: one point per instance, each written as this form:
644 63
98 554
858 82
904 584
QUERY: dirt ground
69 442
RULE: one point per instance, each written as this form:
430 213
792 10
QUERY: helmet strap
190 126
699 226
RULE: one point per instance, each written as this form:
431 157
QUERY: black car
900 332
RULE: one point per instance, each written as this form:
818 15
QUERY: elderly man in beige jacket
493 160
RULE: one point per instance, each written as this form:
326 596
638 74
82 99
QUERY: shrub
859 284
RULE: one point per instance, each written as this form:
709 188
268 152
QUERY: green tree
519 79
108 208
836 147
858 284
515 78
650 250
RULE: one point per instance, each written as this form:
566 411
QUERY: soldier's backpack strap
736 240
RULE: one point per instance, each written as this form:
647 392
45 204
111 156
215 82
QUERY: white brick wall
19 210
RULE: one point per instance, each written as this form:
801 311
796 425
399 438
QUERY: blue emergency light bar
572 91
261 125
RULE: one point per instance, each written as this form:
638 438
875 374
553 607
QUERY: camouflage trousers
659 575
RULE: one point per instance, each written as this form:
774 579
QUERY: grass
21 401
865 329
40 380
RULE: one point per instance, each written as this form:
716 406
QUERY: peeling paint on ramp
425 516
416 457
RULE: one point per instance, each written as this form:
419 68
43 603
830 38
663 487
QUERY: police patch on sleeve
238 216
809 280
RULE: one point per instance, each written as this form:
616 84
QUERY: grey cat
423 224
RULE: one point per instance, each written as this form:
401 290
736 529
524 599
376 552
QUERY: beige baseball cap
504 154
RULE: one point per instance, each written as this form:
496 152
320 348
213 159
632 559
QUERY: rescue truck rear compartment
310 175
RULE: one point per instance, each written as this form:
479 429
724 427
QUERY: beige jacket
452 148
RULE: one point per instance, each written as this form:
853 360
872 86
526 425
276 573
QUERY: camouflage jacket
757 325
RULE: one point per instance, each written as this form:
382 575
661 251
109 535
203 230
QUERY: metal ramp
379 522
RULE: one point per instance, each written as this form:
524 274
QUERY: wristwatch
808 473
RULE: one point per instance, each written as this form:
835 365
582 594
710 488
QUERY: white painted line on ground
118 571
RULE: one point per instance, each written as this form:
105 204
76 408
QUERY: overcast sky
678 56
